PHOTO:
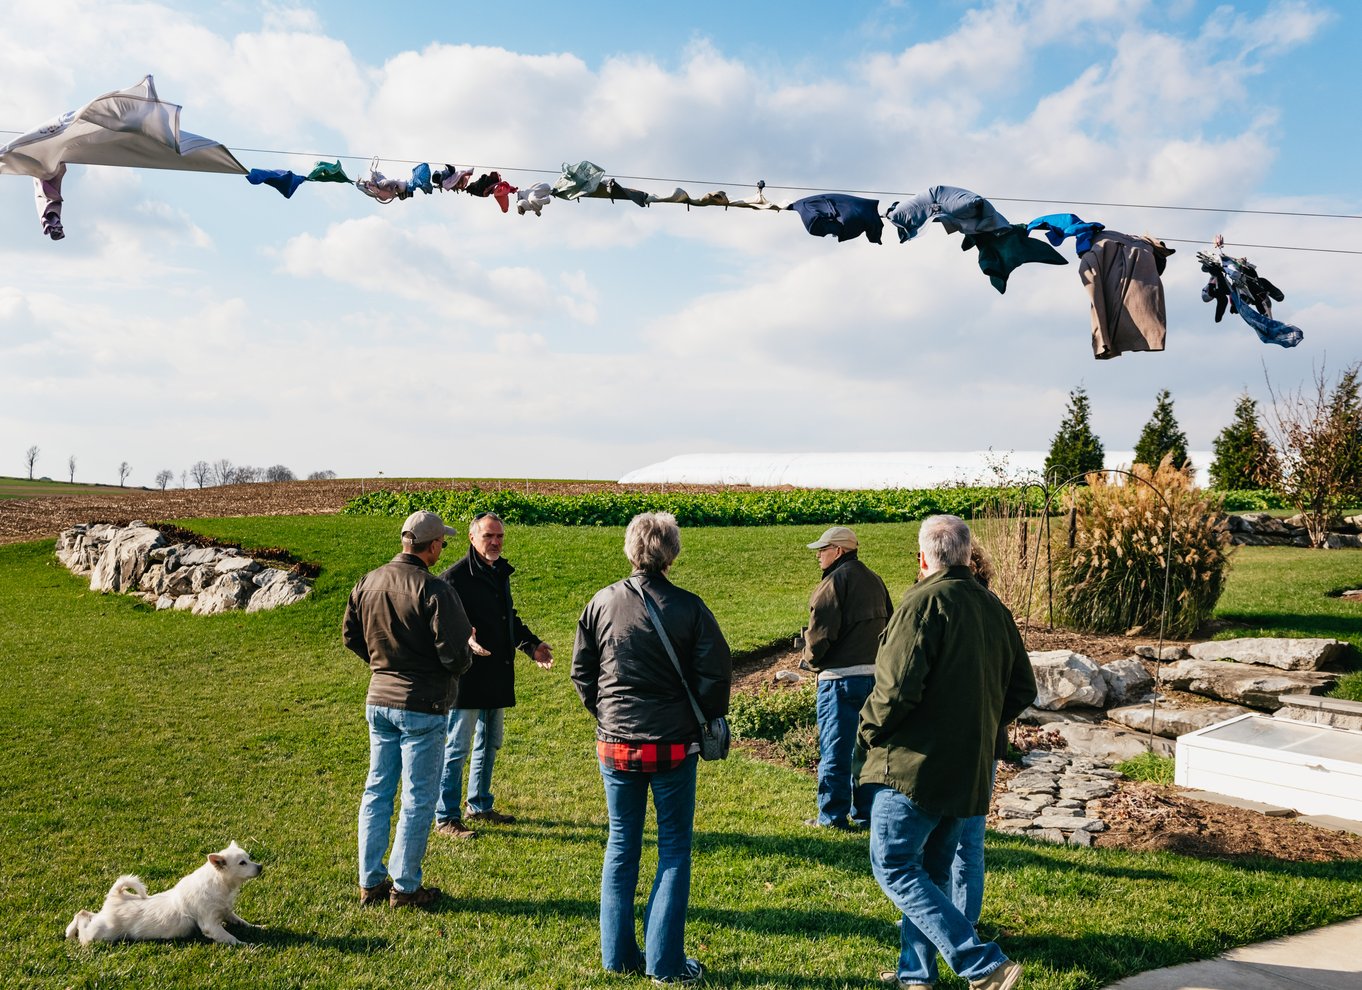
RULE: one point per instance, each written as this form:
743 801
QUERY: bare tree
245 475
164 477
184 479
224 471
279 473
1317 433
71 468
321 476
123 472
31 458
201 472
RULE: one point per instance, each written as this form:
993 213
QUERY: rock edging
136 559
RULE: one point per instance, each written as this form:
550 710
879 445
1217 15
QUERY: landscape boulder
1284 654
123 560
1127 681
1170 721
1244 683
1065 679
1107 744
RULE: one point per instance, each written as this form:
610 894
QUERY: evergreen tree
1345 406
1244 456
1162 436
1075 449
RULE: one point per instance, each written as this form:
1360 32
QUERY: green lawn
139 741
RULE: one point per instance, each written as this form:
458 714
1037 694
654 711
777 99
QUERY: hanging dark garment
1001 252
847 217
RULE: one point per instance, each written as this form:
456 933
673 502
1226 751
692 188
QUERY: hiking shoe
377 894
691 972
421 897
891 977
455 828
1005 977
491 817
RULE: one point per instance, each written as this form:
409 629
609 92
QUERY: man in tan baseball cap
847 612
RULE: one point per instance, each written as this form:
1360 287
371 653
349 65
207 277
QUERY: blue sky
191 317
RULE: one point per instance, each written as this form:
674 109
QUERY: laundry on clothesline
48 194
328 172
1058 226
845 217
578 180
286 182
1001 252
958 210
451 178
376 185
533 199
1235 282
1123 276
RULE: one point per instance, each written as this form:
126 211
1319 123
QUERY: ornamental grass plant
1112 579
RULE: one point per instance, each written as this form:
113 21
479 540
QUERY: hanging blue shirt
956 209
1058 226
837 213
286 182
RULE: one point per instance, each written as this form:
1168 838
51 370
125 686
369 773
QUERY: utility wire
876 192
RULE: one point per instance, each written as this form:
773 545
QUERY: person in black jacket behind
647 737
477 718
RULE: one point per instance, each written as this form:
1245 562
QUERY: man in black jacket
477 719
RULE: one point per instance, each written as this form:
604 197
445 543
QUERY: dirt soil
1139 816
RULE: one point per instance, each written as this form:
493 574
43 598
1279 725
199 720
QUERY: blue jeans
664 919
490 724
401 744
910 853
967 869
839 711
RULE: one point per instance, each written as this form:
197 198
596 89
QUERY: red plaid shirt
647 757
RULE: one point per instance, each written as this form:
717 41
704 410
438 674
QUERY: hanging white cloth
131 127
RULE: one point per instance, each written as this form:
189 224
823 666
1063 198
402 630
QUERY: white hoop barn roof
901 469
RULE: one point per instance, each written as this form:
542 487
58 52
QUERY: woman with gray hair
647 738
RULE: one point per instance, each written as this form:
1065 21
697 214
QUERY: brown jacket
847 612
410 628
1121 273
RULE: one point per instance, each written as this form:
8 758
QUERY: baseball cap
423 526
836 536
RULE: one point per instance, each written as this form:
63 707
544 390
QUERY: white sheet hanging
131 127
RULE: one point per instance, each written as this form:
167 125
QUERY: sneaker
455 828
491 817
377 894
1005 977
891 977
691 972
421 897
841 826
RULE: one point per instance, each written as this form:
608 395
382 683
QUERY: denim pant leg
458 742
486 742
664 920
380 790
837 722
967 869
626 801
423 737
857 691
910 853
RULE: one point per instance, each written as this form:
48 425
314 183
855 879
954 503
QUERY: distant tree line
201 473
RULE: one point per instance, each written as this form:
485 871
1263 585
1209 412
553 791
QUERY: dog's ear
217 860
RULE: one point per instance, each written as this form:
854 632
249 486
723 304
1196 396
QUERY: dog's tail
126 887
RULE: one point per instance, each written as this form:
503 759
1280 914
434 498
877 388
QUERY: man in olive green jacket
951 669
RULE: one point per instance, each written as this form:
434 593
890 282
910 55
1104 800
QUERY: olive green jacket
951 669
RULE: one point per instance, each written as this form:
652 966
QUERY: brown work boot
421 897
1005 977
491 817
455 828
377 894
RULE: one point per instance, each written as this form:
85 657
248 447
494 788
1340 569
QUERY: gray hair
652 541
476 521
945 541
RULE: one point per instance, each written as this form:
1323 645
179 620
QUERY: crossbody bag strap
656 620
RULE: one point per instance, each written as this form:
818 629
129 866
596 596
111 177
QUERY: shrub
1113 578
1075 449
772 714
1244 456
1251 500
799 747
1161 436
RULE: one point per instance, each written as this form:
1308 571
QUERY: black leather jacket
624 675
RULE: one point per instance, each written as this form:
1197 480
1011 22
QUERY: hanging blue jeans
910 854
406 745
479 731
839 708
664 919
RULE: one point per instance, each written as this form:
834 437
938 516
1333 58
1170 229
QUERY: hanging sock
956 209
47 193
501 192
578 180
1123 276
1001 252
760 202
533 199
846 217
286 182
1058 226
328 172
1236 281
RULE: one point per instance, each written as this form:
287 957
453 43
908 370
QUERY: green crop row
736 507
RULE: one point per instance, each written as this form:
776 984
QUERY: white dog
202 901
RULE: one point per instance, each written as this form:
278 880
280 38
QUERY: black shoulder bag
714 735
